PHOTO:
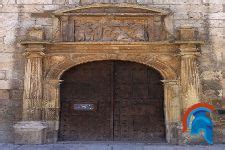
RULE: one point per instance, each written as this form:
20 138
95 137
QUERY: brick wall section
207 15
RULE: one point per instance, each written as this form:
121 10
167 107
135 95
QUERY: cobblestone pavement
108 146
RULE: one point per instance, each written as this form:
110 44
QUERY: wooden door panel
86 85
125 98
139 113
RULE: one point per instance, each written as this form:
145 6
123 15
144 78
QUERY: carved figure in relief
88 31
111 30
117 30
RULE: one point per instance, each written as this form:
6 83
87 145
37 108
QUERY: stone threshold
115 142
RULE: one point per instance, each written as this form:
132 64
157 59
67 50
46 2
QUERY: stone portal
99 32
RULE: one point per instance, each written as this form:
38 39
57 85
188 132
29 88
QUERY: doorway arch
112 100
171 89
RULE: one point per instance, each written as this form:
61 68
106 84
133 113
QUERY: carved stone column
51 108
172 110
190 82
32 99
31 130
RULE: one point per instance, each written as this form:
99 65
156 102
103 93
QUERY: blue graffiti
202 124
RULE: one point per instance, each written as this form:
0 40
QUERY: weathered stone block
30 132
223 133
34 2
16 94
10 111
3 75
6 136
4 94
36 34
187 33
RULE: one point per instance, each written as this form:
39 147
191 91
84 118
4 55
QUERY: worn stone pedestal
30 132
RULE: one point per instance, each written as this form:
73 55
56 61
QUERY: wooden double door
112 101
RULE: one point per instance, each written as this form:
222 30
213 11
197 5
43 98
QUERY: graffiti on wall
197 121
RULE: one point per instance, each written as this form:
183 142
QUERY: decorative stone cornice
179 42
123 7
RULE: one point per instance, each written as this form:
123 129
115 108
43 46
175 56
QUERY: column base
173 133
30 132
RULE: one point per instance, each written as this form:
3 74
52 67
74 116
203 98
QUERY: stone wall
206 15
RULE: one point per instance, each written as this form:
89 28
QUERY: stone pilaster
51 108
190 85
190 82
32 99
172 110
32 130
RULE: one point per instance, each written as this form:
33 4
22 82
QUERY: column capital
170 82
53 82
34 51
189 50
190 54
188 47
34 54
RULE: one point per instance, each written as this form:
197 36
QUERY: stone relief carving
111 30
87 31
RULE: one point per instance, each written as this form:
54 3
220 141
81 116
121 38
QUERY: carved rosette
32 98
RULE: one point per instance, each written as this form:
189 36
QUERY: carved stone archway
151 60
106 32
